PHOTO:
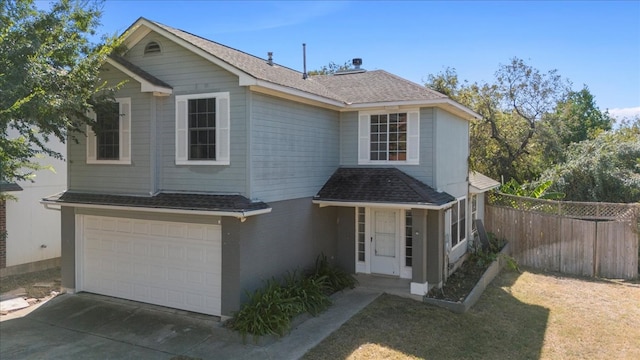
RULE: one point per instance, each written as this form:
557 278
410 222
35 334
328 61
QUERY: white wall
29 224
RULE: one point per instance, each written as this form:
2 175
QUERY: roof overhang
285 92
405 206
445 103
242 215
145 85
480 183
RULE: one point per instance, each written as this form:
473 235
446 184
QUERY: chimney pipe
304 61
270 60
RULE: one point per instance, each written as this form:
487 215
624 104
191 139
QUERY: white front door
384 242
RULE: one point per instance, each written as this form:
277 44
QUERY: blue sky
589 42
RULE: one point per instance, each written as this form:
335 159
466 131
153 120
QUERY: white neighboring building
33 232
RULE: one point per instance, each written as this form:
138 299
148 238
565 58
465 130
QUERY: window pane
107 131
202 140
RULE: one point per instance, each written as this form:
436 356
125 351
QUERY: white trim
222 129
324 203
236 214
444 103
457 251
406 272
124 134
419 288
412 133
145 85
79 251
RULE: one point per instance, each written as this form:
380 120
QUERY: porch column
419 284
68 248
435 247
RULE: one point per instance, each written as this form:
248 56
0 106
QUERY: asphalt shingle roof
352 88
382 185
182 201
481 181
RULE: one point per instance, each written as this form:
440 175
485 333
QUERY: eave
386 205
145 85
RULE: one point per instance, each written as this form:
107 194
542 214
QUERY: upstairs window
202 129
389 138
109 141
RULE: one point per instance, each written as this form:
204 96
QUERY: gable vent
152 47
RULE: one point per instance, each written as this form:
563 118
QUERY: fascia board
145 86
458 109
407 206
236 214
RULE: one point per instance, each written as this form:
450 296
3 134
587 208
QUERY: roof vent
152 47
356 62
270 59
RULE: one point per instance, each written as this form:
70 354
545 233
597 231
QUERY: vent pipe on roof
270 59
304 61
356 63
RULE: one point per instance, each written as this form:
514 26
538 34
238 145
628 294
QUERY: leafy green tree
577 117
605 169
48 78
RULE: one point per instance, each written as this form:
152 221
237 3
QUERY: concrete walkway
95 327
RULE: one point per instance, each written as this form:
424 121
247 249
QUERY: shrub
336 278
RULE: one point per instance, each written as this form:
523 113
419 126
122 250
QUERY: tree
48 78
606 168
577 117
504 143
332 68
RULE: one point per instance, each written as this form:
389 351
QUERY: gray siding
120 179
346 239
68 248
188 73
451 153
294 148
423 172
269 245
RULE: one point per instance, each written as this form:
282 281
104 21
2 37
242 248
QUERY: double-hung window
109 140
389 137
202 129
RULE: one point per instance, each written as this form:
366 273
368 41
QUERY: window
109 142
360 233
474 213
202 129
458 222
389 137
408 223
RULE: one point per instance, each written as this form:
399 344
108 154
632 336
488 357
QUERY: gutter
241 215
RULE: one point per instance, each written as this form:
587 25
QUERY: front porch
388 284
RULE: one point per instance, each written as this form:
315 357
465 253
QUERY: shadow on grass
498 327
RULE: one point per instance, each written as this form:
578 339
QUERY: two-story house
217 169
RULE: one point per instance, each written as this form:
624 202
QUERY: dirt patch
461 282
33 287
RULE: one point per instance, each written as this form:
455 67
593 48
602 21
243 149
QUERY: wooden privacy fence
590 239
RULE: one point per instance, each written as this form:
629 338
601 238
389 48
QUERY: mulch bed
461 282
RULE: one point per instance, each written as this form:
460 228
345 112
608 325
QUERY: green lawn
520 316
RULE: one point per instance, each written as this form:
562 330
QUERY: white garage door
171 264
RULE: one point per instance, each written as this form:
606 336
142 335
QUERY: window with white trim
202 129
458 222
474 213
109 141
389 137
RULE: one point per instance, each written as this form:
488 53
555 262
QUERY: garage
171 264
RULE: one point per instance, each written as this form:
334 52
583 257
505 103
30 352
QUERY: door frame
364 267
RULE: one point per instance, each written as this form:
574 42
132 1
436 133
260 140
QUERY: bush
336 278
270 309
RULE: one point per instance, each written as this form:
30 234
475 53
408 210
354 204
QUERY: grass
520 316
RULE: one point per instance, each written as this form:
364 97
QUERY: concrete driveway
86 326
